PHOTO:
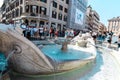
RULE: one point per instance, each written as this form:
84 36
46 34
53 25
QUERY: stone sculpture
27 58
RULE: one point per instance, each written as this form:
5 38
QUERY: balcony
33 15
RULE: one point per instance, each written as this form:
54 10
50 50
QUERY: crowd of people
107 37
44 32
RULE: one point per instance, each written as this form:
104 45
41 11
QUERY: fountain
31 63
64 46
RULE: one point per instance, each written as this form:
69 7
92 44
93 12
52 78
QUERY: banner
79 17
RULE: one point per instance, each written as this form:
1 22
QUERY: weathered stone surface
27 58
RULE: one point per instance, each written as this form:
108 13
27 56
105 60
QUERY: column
109 26
119 26
112 25
24 4
50 12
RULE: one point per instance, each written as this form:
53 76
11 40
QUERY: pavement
107 66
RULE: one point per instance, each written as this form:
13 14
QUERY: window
33 9
21 10
67 1
54 14
21 1
60 16
17 12
12 14
27 8
41 23
45 1
12 6
54 4
65 18
60 7
17 3
65 10
59 27
36 9
43 10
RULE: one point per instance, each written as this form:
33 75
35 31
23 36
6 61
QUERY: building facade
114 25
92 19
36 13
102 28
77 11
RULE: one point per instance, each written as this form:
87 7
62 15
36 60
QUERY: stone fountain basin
63 69
32 61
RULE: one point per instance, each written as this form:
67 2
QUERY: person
32 32
35 30
45 32
23 26
94 35
41 31
118 43
56 34
28 33
50 32
109 40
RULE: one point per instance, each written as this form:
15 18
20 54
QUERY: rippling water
54 52
2 61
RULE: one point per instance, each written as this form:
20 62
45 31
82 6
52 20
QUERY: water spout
64 46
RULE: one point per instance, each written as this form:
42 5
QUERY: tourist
24 27
94 35
41 32
50 32
32 32
103 36
71 33
45 32
56 33
66 33
118 43
109 40
28 33
35 30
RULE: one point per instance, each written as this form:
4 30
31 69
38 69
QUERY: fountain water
8 57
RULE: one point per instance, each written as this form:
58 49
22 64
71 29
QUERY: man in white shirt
41 32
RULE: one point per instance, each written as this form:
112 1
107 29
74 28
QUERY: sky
106 9
1 2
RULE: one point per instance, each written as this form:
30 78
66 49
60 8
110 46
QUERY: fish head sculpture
27 57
